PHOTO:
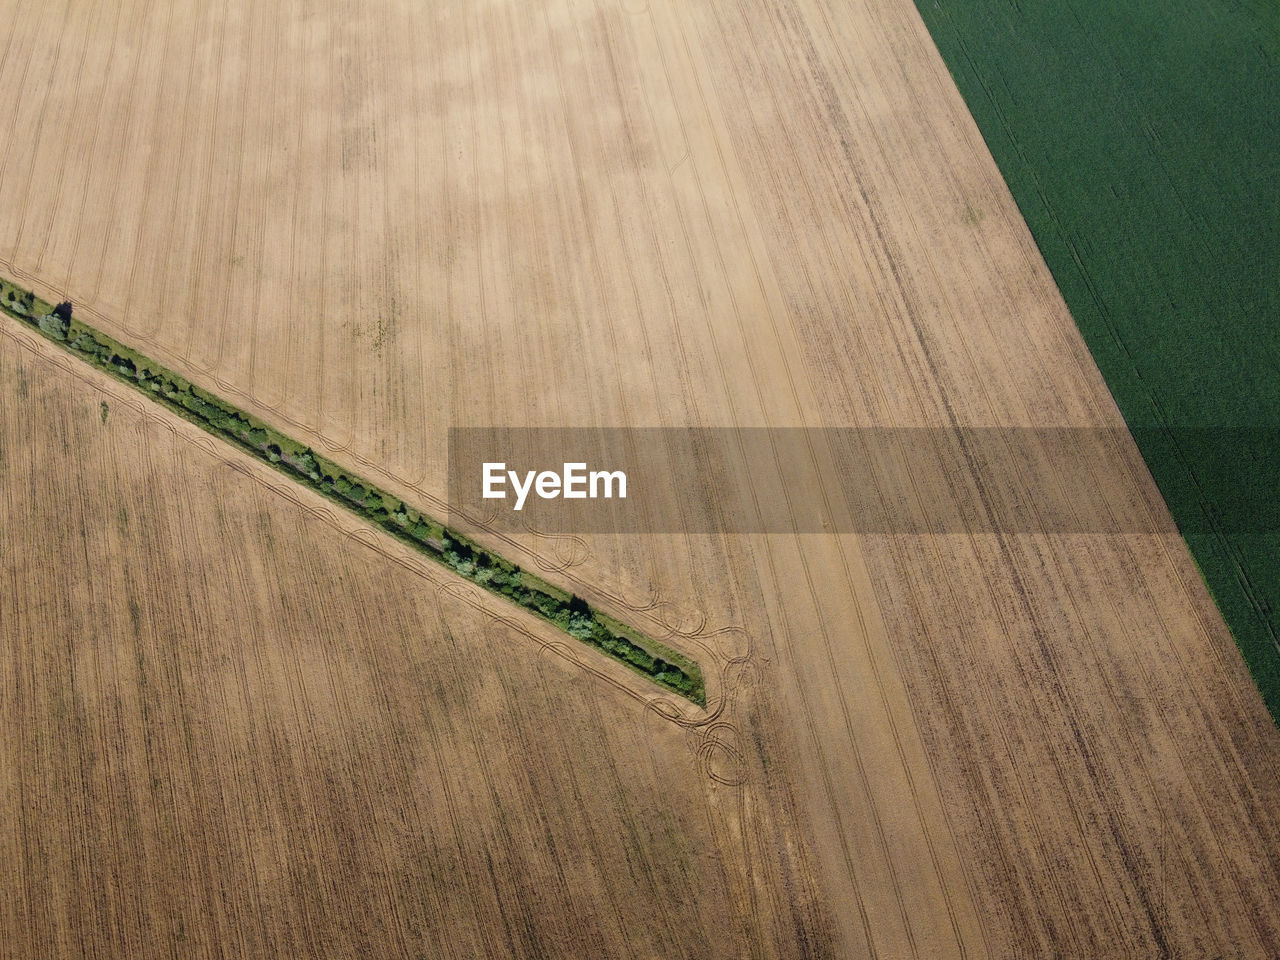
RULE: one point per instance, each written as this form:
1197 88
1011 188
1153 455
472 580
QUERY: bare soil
368 222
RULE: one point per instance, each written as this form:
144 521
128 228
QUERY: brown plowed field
237 724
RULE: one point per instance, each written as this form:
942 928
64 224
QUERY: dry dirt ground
236 724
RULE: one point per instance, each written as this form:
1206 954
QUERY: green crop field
1142 143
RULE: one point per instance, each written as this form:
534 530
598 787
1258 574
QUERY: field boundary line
652 659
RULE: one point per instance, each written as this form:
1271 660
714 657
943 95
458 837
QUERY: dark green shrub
580 627
54 327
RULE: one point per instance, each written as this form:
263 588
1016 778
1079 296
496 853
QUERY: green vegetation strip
481 566
1142 143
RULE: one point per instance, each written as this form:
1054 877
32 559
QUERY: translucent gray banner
860 480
